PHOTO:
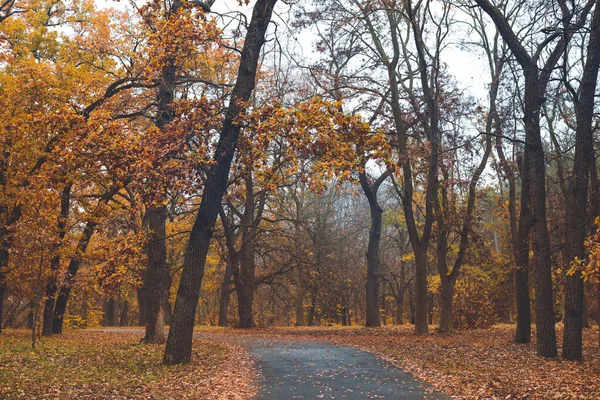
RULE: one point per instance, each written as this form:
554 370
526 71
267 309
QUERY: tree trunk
179 343
399 309
420 313
51 287
299 296
124 318
540 239
245 286
312 311
110 308
141 297
446 304
156 273
372 308
225 295
577 216
2 290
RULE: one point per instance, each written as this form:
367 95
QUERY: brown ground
483 364
85 364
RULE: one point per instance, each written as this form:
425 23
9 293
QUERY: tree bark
179 342
534 178
141 297
225 294
577 212
51 286
156 274
372 308
124 318
111 312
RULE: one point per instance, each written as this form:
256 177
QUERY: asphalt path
315 370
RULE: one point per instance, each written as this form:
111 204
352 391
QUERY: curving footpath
315 370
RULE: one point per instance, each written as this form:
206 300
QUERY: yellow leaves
591 268
408 257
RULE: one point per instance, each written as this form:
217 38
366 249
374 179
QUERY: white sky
470 70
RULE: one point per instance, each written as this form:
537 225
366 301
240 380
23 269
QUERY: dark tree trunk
179 343
577 216
411 305
166 308
124 318
156 274
446 304
245 286
299 295
111 312
2 292
536 81
344 312
225 295
372 308
30 319
312 311
585 314
519 235
141 297
421 307
399 309
540 239
51 286
6 240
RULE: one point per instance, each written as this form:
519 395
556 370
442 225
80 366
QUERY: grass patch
100 365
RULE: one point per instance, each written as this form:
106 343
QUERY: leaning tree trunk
156 271
179 342
577 217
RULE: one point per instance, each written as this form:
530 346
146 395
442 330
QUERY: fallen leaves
480 364
113 365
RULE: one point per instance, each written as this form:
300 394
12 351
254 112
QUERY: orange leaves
182 38
314 138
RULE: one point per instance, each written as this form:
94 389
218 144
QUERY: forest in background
171 165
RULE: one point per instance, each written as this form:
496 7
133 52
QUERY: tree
577 212
179 342
533 196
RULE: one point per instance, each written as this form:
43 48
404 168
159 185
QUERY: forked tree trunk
372 308
179 342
